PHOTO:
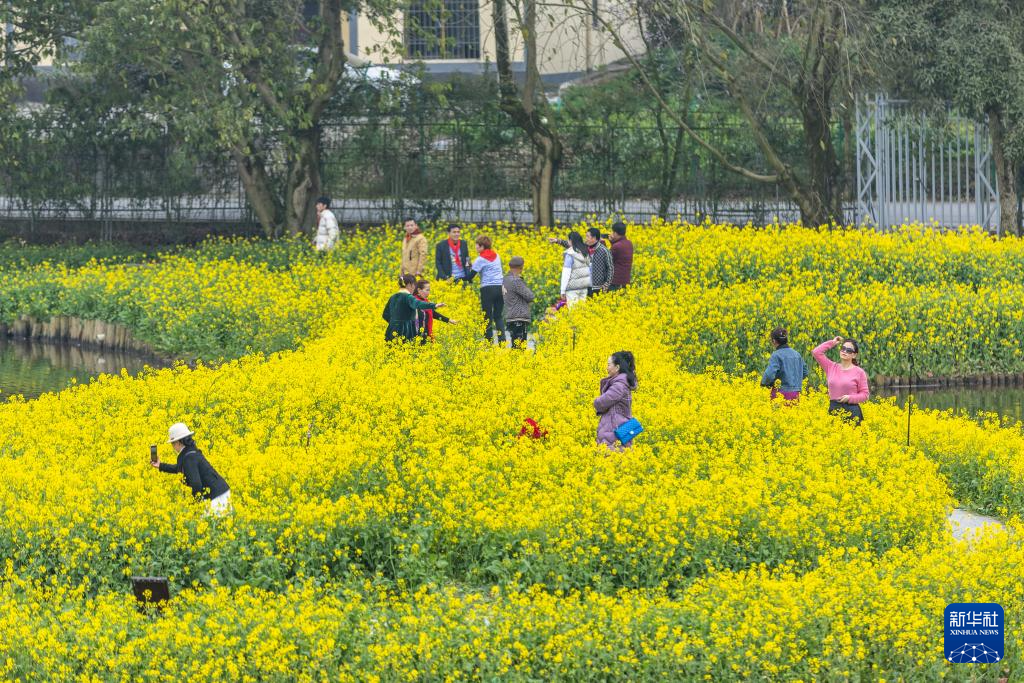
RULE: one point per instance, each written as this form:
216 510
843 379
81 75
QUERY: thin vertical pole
959 171
858 218
900 173
931 180
922 171
915 170
978 215
898 192
942 179
880 166
913 149
890 169
904 173
910 394
949 166
915 156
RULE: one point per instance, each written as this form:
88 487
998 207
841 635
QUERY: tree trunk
1006 176
303 183
669 173
528 110
814 96
823 169
847 181
545 168
1020 199
260 191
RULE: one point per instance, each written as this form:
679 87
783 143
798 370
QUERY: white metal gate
911 167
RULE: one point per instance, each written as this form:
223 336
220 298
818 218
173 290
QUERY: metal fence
378 169
911 166
479 172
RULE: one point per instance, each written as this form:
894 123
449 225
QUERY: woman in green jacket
400 313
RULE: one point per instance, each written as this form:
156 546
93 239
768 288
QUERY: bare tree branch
673 114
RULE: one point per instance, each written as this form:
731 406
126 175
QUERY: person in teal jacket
400 311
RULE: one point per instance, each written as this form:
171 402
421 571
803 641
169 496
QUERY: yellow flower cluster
950 296
855 617
390 525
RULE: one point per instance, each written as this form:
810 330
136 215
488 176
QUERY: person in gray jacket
518 298
602 268
786 366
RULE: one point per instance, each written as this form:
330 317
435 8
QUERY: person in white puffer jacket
327 226
575 270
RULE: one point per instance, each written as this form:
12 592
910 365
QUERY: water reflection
970 401
32 368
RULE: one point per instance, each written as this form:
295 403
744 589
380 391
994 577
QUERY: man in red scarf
451 256
414 250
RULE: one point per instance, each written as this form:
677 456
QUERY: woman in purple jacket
615 404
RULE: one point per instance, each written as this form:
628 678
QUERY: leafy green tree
780 62
250 78
656 147
969 53
31 31
34 30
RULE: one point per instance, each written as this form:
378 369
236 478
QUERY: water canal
31 368
976 402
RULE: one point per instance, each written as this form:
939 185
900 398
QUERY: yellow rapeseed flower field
389 525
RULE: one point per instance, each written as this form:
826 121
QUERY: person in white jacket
327 226
575 270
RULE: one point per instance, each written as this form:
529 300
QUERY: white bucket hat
177 432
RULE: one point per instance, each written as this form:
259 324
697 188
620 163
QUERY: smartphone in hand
152 454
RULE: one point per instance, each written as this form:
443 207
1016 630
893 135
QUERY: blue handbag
627 430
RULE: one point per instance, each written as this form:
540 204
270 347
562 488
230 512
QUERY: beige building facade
460 38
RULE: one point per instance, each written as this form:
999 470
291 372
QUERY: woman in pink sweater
847 381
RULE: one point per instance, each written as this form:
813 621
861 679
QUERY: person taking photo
197 471
847 381
400 311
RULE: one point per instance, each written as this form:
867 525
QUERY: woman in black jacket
199 474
